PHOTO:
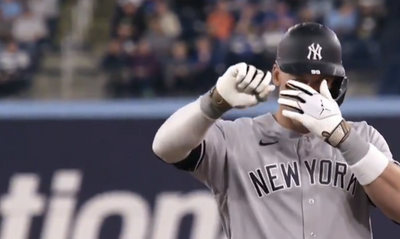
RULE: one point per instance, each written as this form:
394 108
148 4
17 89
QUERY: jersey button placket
309 209
309 216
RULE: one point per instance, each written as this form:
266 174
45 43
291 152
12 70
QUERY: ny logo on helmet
314 52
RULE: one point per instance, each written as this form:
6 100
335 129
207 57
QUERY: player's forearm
182 132
379 177
385 192
185 130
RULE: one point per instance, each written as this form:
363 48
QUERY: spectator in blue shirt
10 9
342 20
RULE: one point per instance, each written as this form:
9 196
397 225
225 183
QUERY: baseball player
302 172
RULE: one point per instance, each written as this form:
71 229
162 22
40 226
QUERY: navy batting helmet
311 48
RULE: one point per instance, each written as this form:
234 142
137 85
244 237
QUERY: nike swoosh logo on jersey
262 143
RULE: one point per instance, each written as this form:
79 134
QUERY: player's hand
243 85
318 112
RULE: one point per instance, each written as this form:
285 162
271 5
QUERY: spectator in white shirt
49 11
169 21
29 30
13 59
14 70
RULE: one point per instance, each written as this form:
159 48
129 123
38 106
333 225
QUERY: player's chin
299 127
297 124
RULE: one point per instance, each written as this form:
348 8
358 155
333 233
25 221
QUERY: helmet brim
314 68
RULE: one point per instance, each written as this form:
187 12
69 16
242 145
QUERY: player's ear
275 75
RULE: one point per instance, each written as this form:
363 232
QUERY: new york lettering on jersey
299 187
322 172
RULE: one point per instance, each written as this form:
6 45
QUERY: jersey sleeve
379 142
207 162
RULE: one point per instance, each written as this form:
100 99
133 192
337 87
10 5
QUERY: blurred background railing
97 49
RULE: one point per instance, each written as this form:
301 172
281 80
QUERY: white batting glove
318 112
243 85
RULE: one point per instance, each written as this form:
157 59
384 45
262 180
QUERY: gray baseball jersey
272 183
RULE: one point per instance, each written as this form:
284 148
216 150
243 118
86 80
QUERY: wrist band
370 167
213 105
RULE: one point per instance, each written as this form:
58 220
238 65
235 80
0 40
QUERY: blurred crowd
26 28
179 47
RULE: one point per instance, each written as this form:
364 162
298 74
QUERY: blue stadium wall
85 170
